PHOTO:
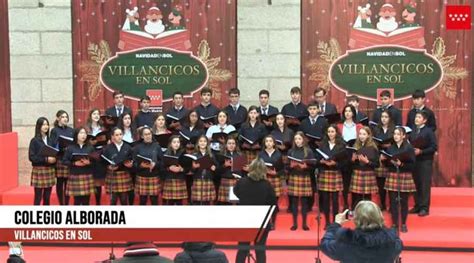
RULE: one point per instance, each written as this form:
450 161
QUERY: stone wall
268 38
41 67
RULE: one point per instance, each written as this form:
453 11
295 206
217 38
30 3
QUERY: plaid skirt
203 190
147 185
118 182
381 171
330 181
43 176
175 189
250 155
406 182
299 185
62 171
363 182
275 181
224 188
80 185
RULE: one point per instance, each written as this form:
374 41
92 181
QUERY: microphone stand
399 208
318 219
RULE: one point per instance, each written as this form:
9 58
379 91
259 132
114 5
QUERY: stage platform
449 225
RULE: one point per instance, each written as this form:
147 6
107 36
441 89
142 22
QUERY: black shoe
294 227
404 228
305 228
414 210
423 213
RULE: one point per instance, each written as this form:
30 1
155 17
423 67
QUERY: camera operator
370 241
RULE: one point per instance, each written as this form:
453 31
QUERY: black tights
153 199
173 201
326 198
304 209
82 200
394 206
382 192
123 197
42 193
61 184
346 183
356 198
98 194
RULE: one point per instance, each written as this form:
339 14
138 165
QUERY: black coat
200 253
430 122
252 192
396 115
347 245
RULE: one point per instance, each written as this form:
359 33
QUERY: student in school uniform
320 97
419 98
254 131
145 117
330 177
203 190
237 113
118 181
265 109
62 171
190 131
125 123
424 142
349 129
386 99
177 113
299 182
193 128
174 185
314 126
206 110
382 132
147 182
119 108
295 110
77 156
274 162
42 175
95 126
228 178
401 181
159 125
221 126
354 101
129 137
365 160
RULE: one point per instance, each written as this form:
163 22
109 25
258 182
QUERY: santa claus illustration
387 22
154 25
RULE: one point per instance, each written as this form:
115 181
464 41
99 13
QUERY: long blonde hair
368 216
257 170
368 143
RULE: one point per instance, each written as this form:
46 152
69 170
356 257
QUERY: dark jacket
396 114
195 252
429 145
236 118
252 192
34 152
430 122
347 245
112 111
15 259
142 253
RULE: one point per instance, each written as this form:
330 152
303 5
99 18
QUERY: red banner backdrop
96 32
326 30
5 98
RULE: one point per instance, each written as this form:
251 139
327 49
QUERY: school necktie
119 111
418 131
313 121
235 109
264 111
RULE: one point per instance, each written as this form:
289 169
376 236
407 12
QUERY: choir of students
196 156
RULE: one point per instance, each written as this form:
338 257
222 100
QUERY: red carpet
448 225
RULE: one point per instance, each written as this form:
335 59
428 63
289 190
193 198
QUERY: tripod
399 208
318 219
